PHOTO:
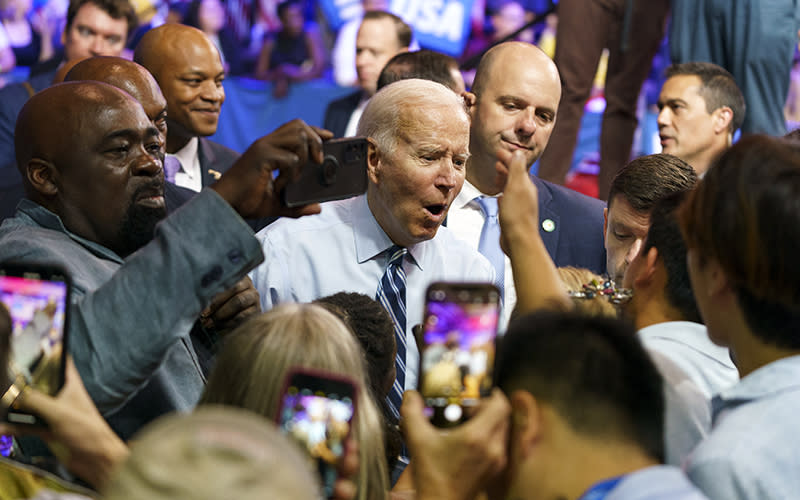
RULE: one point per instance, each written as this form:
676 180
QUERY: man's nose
448 175
147 164
636 247
663 117
526 123
213 92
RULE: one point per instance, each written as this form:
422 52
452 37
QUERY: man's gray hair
385 117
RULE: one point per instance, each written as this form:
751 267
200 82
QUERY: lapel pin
216 175
548 225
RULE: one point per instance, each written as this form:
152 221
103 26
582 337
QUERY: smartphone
342 174
38 299
317 410
457 348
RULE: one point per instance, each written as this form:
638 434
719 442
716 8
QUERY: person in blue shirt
741 226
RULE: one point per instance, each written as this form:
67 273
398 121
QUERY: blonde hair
256 357
573 279
212 453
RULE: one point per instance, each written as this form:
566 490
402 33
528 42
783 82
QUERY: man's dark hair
665 235
373 328
424 64
282 8
593 372
746 216
647 179
116 9
719 88
402 29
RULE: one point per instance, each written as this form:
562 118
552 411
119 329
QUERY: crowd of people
647 348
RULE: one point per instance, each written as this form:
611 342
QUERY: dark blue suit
339 111
12 98
576 235
214 159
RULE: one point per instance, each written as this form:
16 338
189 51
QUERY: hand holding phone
342 174
317 411
457 348
37 297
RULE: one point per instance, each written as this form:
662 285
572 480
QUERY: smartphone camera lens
328 170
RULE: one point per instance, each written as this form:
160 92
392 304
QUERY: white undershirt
189 176
352 125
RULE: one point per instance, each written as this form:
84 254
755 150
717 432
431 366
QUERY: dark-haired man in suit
381 36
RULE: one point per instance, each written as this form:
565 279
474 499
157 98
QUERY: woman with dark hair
293 54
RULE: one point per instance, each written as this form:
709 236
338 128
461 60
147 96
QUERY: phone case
342 174
457 348
38 299
317 411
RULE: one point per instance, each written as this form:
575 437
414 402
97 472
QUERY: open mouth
437 209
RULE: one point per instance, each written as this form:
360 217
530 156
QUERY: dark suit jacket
574 235
338 113
214 157
12 98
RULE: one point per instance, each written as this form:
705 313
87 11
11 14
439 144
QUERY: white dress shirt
343 249
189 176
352 125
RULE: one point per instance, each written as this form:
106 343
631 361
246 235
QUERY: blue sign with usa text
441 25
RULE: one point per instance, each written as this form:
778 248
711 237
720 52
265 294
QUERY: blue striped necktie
489 243
392 296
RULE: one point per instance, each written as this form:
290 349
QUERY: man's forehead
533 85
436 123
195 55
621 212
378 33
681 86
92 16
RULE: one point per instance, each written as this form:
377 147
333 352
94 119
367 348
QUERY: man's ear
43 177
605 225
722 119
647 270
526 422
373 160
718 283
469 99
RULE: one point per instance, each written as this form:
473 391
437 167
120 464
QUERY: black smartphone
457 348
317 410
38 299
342 174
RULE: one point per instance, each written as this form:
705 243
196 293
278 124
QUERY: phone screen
458 348
317 411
